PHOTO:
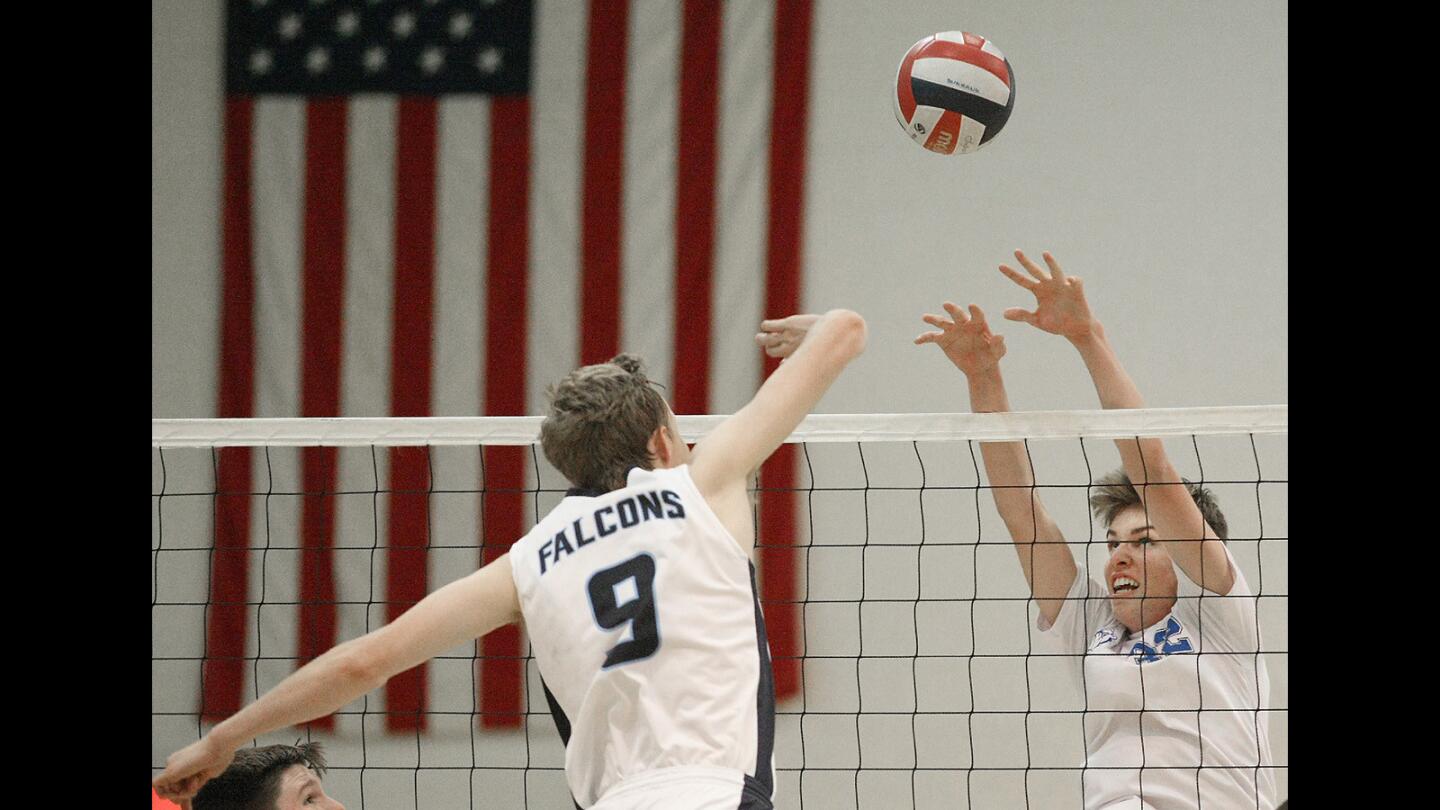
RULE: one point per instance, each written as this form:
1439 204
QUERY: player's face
1140 574
300 789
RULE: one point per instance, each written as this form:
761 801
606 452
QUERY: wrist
223 736
986 378
1093 336
987 391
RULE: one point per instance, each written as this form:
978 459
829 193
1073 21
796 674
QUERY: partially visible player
637 593
1171 670
271 777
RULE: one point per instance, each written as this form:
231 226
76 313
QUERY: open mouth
1124 585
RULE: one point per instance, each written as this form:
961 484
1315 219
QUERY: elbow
851 332
362 664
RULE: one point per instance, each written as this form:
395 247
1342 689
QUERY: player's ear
661 446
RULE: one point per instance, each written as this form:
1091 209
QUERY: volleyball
954 92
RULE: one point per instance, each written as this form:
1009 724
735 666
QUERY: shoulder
1086 603
1187 587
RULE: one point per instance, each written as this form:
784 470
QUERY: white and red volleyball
954 92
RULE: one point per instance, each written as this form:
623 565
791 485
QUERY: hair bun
631 363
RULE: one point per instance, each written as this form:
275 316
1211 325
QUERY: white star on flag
403 24
489 60
260 62
460 25
317 60
374 59
347 24
290 26
432 59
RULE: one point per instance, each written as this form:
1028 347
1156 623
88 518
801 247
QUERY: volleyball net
909 671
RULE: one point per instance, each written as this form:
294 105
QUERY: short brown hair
1114 492
252 782
600 421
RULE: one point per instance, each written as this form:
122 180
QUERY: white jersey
1200 740
644 620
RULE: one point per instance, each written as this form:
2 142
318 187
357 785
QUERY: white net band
523 430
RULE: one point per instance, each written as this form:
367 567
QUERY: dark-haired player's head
271 777
1140 572
605 419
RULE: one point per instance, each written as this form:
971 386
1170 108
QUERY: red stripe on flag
502 522
943 48
324 285
410 373
223 677
506 310
604 151
789 114
775 552
695 204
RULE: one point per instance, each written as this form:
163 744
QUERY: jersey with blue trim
1174 712
644 621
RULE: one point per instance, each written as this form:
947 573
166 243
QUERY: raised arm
1049 568
463 610
1061 309
815 350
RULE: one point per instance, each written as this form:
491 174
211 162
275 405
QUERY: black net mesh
922 682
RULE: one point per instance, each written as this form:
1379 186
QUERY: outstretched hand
965 339
780 337
188 769
1060 306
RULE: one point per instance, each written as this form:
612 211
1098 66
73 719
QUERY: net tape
523 430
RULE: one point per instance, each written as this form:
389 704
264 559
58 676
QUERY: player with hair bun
1165 646
637 592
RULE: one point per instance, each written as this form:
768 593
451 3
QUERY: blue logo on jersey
1103 636
1167 640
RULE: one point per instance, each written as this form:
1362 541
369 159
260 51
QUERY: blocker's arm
1061 309
1049 568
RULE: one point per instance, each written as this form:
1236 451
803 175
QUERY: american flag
439 207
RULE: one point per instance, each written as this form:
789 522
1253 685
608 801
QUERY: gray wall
1147 150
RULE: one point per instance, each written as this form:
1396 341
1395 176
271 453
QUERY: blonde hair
1114 492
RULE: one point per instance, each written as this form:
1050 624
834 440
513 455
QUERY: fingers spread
977 315
1014 276
936 320
1055 271
956 312
1031 267
928 337
1018 314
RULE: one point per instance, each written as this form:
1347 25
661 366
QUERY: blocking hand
1060 306
965 339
